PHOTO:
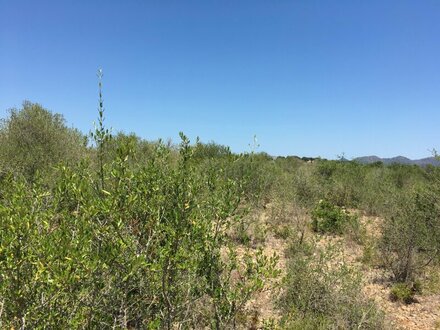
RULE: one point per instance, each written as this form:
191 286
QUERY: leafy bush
34 140
321 293
142 253
211 150
329 218
119 243
255 173
305 186
404 292
411 234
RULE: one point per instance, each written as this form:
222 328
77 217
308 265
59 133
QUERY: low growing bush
329 218
321 293
404 292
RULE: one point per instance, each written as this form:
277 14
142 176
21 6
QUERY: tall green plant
101 135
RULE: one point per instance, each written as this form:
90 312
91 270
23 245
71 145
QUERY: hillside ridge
398 160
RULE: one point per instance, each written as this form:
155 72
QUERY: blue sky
309 78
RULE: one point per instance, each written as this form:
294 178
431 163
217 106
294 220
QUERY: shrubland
126 244
112 231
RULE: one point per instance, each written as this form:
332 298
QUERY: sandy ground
424 314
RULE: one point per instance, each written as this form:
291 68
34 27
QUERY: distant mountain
427 161
398 160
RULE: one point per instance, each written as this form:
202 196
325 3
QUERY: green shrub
404 292
255 173
141 253
329 218
33 139
321 293
123 244
305 187
411 233
211 150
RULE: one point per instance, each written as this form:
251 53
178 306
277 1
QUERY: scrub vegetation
109 231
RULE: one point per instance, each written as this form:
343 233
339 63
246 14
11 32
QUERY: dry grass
376 284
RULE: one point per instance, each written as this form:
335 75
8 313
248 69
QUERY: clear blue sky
309 78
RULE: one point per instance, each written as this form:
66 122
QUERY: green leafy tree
33 139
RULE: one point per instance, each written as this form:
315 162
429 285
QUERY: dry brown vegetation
424 313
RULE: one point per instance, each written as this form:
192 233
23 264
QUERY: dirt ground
423 314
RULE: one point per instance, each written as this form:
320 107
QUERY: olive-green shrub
320 292
329 218
150 250
411 233
33 139
404 292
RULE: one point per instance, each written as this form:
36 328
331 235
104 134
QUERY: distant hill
398 160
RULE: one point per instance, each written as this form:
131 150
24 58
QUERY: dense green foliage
33 139
144 252
329 218
404 292
127 233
